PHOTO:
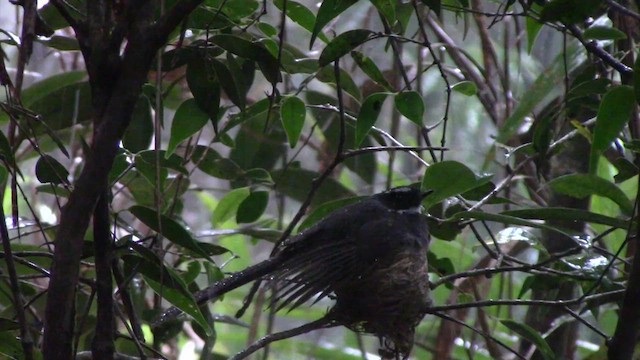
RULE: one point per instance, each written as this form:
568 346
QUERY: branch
593 48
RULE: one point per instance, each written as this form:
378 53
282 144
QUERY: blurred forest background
150 148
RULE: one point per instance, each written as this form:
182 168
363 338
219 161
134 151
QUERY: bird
370 257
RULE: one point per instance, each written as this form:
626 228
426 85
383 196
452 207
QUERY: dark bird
370 257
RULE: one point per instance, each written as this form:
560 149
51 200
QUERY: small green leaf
582 185
228 83
301 16
211 163
387 8
532 335
49 170
368 115
170 229
434 5
325 209
326 75
371 69
139 133
603 33
343 44
252 207
411 106
613 114
253 51
449 178
57 42
467 88
228 205
329 9
204 85
188 120
292 114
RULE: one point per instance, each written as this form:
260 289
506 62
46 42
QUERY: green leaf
343 44
228 83
545 84
434 5
139 133
325 209
204 86
168 228
613 114
228 205
368 115
603 33
387 8
301 16
449 178
467 88
164 282
57 42
327 12
211 163
371 69
533 27
52 83
569 11
252 207
296 183
293 113
560 213
583 185
326 75
526 332
253 51
411 106
49 170
188 120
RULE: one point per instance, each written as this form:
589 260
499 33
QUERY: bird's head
403 198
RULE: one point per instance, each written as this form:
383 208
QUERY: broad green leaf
188 120
301 16
228 205
204 85
545 84
253 51
211 163
252 207
165 282
235 9
327 12
533 27
626 170
325 209
569 11
434 5
368 115
467 88
583 185
49 170
326 75
371 69
139 133
559 213
411 106
449 178
228 83
526 332
52 83
613 114
296 183
293 113
343 44
387 8
61 43
170 229
603 33
506 219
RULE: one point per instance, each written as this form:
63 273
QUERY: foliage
194 132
